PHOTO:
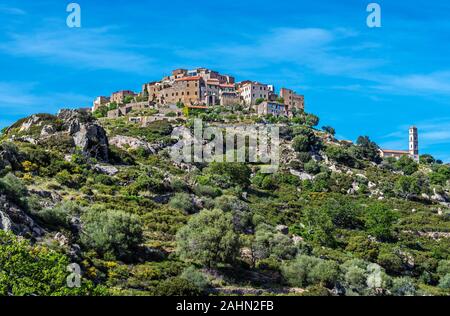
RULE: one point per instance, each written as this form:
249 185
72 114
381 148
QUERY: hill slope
334 220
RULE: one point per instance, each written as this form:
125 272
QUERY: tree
183 201
208 239
407 165
270 243
403 286
306 270
427 159
380 221
301 143
319 226
111 232
330 130
367 149
312 120
407 186
229 174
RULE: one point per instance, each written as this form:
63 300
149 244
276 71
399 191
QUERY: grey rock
48 130
109 170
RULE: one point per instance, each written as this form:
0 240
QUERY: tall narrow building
414 143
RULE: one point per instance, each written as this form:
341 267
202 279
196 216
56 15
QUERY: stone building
413 151
251 91
292 99
119 96
272 108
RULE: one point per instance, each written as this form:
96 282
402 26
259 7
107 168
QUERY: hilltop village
201 89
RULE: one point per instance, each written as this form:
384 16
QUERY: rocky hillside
103 193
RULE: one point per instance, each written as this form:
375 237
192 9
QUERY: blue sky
362 81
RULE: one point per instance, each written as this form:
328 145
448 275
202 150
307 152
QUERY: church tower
414 143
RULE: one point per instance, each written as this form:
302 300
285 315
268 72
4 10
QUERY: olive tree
208 238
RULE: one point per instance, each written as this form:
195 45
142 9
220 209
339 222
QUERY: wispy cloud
84 48
321 50
436 83
11 11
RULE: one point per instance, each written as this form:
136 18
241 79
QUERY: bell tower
414 143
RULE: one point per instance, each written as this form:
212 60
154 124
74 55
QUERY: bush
444 282
312 167
14 189
305 271
380 221
111 232
407 165
354 276
196 277
240 211
226 175
269 243
208 239
176 287
301 143
60 215
74 181
183 202
403 286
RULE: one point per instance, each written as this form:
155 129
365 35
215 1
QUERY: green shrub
403 286
380 221
14 189
183 202
176 287
305 270
111 232
196 277
208 239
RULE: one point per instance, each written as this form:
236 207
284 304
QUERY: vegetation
335 219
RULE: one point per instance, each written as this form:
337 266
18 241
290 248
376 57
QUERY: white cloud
12 11
81 48
321 50
437 83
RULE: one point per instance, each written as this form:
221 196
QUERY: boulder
92 140
48 130
126 142
109 170
301 175
89 136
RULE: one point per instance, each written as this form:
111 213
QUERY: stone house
292 99
272 108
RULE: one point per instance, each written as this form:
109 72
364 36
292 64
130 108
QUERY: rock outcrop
13 219
126 142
